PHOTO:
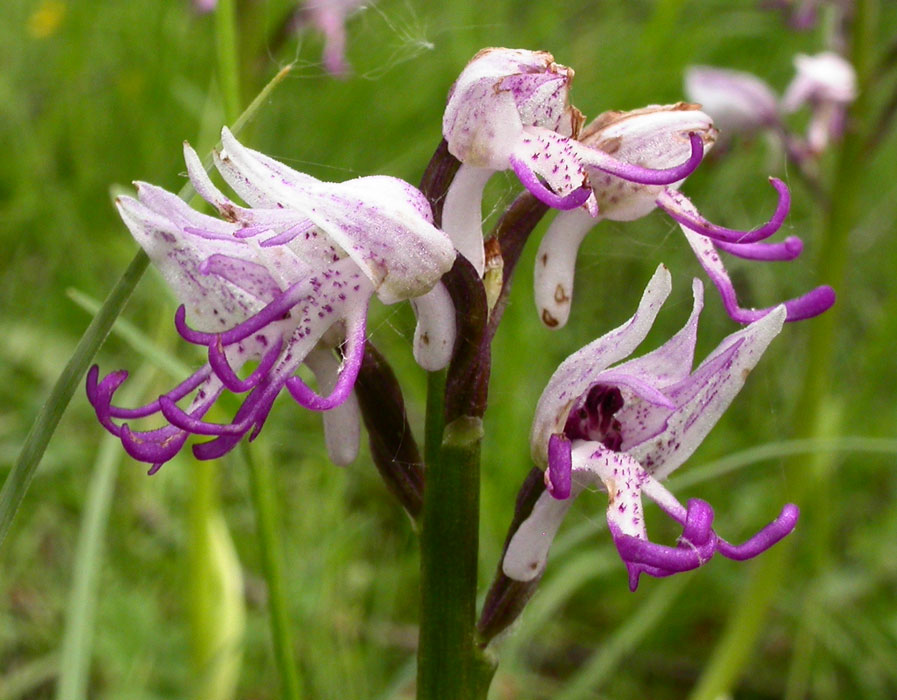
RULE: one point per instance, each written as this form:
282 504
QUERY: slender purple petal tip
691 219
811 304
666 176
694 549
535 186
789 249
560 467
187 333
795 246
773 533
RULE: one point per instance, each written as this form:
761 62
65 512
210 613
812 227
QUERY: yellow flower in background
46 19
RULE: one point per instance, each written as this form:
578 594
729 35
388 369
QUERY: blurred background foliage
95 95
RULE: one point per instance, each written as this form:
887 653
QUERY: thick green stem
435 420
449 664
809 482
267 530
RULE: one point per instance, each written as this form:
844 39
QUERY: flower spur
629 426
282 282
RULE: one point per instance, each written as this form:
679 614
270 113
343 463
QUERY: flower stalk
449 663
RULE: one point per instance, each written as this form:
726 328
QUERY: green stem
809 481
435 419
449 664
16 485
228 65
267 529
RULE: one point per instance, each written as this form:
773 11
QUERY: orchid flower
628 427
510 110
828 84
655 137
802 15
282 282
205 6
327 16
738 102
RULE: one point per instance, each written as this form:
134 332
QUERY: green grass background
106 95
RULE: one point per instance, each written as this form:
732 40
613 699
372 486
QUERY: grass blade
19 479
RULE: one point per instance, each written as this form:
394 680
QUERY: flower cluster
510 109
283 282
629 426
286 281
743 103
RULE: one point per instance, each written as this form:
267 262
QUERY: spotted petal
579 371
382 223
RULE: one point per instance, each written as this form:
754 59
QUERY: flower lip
627 428
673 204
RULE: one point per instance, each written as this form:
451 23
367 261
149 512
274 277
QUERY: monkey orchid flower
327 16
828 84
655 137
282 282
510 110
627 427
738 102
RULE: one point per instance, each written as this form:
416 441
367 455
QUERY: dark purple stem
467 381
436 179
393 447
507 598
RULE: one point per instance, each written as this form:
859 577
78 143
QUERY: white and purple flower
282 282
627 427
327 16
739 102
510 110
827 83
655 137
